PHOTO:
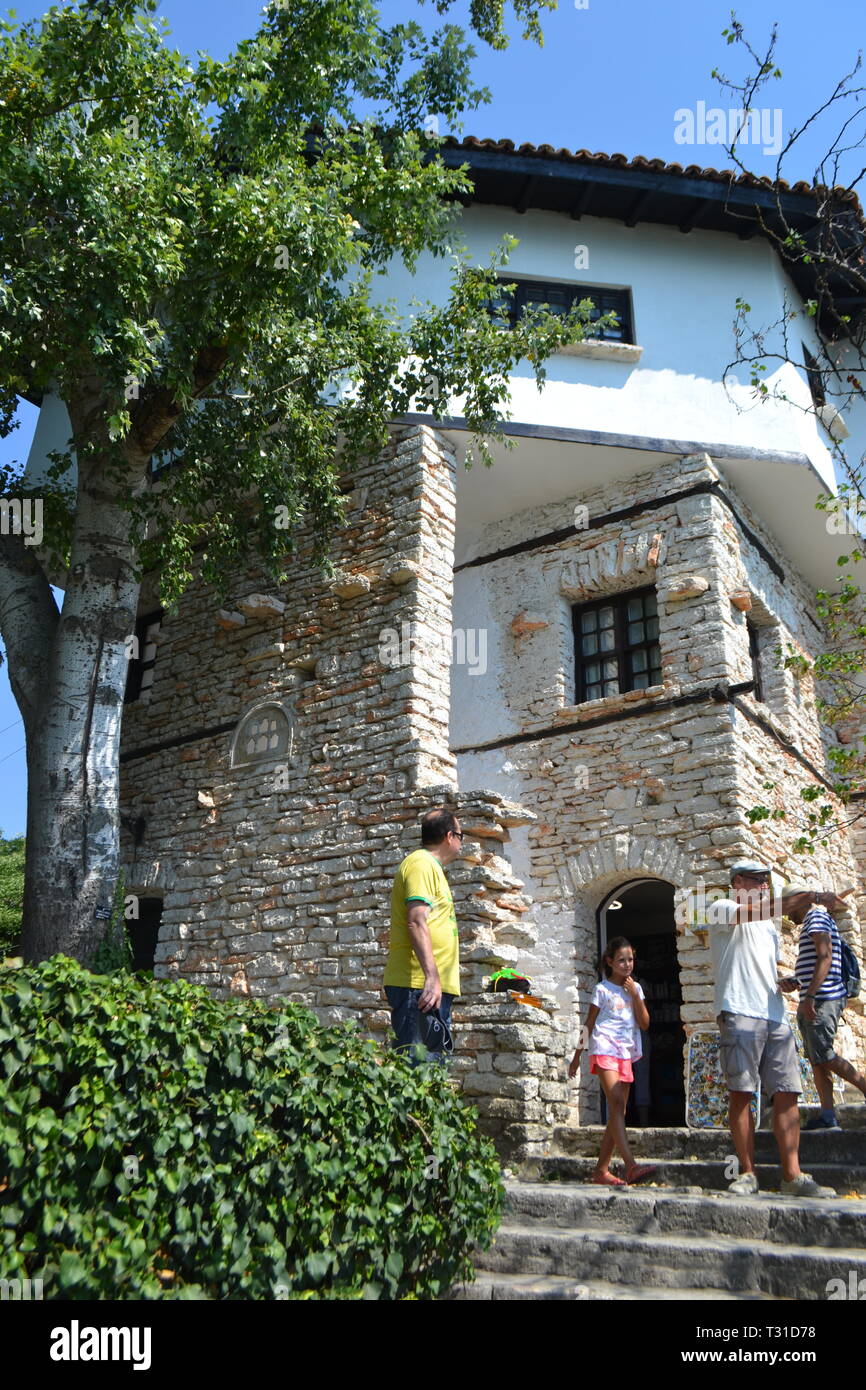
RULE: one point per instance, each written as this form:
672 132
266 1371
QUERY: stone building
576 650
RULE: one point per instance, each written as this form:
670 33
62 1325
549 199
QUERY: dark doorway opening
143 933
645 916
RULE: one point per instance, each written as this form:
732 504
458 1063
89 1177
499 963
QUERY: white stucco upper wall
684 290
52 434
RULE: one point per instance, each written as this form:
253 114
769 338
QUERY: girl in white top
614 1023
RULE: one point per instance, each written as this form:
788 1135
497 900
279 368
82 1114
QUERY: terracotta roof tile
642 162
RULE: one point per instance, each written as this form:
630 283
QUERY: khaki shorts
819 1038
755 1047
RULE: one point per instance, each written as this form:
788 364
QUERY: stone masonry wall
664 792
275 875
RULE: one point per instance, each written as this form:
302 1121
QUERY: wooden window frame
622 647
754 632
815 378
137 664
575 292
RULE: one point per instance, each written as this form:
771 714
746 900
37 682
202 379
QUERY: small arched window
264 735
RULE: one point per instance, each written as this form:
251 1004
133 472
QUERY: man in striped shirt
822 994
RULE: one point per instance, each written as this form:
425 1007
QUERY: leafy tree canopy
189 255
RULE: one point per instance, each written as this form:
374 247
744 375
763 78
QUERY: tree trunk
73 733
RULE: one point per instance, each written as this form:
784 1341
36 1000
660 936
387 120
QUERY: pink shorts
617 1064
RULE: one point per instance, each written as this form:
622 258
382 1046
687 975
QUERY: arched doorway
642 910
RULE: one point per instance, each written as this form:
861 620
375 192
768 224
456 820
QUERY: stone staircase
683 1236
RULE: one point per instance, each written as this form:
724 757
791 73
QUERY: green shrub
158 1143
11 894
114 951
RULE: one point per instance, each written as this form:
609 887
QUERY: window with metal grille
560 298
143 658
616 645
755 654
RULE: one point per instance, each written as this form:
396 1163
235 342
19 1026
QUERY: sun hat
749 866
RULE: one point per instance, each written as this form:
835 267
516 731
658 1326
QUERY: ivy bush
156 1142
114 951
11 893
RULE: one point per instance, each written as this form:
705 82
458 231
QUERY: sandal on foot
638 1173
607 1180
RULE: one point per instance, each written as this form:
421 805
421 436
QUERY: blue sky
611 76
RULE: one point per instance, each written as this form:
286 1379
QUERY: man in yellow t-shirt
422 975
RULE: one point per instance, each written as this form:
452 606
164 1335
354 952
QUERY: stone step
659 1261
778 1220
555 1286
847 1146
705 1174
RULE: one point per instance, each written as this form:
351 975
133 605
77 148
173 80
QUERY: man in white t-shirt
756 1038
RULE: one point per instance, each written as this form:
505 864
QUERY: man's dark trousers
411 1025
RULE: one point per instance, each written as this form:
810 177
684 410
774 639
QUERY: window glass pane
502 309
559 298
617 648
553 303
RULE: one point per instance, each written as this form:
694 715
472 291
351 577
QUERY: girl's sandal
638 1173
607 1180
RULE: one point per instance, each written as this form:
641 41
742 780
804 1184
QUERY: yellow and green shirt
421 879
